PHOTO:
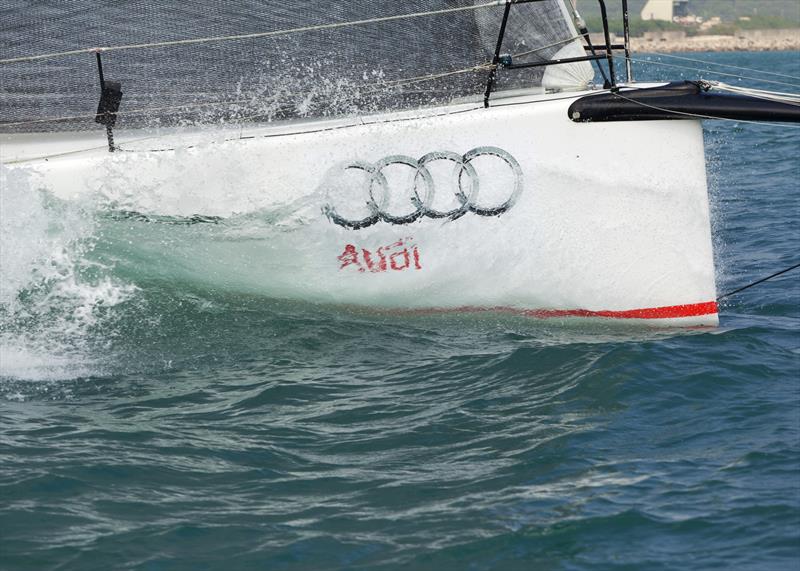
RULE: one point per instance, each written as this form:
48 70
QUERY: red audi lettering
397 256
404 253
350 258
373 266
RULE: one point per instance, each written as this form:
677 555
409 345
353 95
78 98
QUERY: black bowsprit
679 100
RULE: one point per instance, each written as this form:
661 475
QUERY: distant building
667 10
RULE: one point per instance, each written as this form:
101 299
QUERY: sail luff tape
210 39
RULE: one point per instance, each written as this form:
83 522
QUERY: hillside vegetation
763 13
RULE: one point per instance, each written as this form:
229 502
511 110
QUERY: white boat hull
611 220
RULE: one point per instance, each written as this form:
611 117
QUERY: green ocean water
150 421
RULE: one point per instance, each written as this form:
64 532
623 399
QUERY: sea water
151 421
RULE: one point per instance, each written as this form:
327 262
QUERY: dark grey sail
430 57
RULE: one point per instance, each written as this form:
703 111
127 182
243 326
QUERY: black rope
762 280
110 136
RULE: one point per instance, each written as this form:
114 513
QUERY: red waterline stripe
666 312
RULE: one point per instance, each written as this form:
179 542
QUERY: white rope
331 26
781 97
749 69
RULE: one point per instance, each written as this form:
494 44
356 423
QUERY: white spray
51 295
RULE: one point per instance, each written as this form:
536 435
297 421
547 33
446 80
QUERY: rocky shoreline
745 40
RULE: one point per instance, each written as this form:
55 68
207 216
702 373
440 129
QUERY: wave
52 293
82 279
78 275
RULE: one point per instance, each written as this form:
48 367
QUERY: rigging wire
554 44
431 76
364 88
286 31
787 98
762 280
684 67
138 111
749 69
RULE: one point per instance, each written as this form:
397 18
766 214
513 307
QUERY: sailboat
425 156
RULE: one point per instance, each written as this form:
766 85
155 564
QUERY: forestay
380 56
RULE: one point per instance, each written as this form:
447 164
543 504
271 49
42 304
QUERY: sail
188 62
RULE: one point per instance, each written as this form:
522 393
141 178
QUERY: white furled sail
570 75
577 75
540 32
186 63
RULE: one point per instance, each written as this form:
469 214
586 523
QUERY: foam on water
51 293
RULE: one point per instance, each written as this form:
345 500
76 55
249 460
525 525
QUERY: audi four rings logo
466 185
